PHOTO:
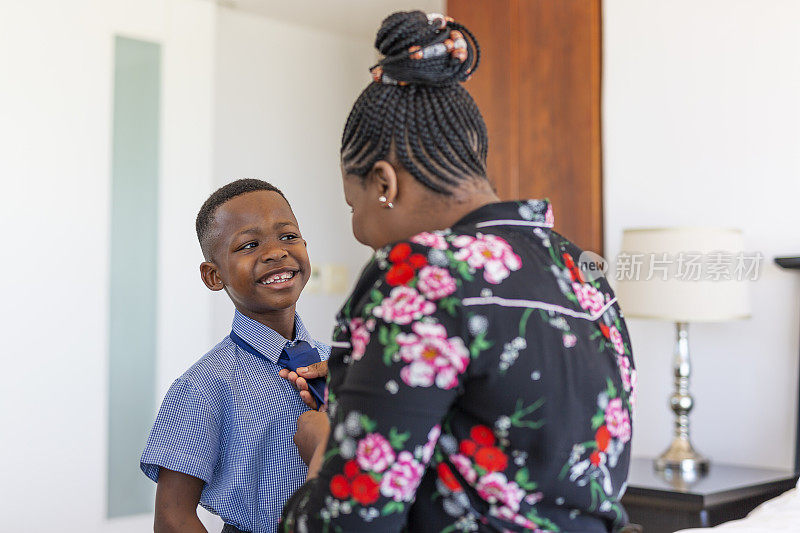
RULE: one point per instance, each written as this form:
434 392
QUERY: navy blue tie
302 354
293 357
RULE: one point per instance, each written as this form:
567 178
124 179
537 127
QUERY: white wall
702 127
283 92
56 60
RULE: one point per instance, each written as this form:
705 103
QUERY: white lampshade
692 274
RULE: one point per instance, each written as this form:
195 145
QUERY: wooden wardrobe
538 87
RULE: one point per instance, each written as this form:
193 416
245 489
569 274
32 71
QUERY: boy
223 435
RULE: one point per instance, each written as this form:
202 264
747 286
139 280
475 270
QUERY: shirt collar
266 340
523 212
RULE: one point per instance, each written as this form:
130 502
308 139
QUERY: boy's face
258 254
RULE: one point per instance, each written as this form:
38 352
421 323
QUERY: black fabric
490 334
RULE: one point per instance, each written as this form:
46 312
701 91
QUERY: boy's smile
278 279
259 257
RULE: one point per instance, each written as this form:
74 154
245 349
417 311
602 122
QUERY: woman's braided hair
416 109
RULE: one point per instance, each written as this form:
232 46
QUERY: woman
478 381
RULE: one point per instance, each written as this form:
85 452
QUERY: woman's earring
382 199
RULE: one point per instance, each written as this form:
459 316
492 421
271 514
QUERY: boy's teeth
282 276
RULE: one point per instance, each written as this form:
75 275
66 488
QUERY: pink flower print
359 336
432 356
589 298
403 305
569 340
464 466
418 374
506 513
433 437
401 480
447 378
616 340
624 365
496 488
618 421
634 388
374 453
489 252
534 498
436 282
549 219
431 240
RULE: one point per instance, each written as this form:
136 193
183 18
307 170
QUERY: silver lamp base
681 459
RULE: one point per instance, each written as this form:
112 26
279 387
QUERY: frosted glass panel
134 253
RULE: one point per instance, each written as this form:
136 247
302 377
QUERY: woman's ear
384 178
209 273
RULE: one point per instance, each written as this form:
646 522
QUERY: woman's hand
313 428
298 379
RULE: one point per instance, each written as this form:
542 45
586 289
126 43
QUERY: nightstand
727 493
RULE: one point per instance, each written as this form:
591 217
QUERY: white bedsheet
781 514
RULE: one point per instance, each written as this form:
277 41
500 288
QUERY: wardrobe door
538 87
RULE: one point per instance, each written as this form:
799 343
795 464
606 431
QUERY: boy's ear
384 177
210 276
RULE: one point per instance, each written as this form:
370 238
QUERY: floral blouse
478 382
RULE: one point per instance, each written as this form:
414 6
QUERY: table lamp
681 277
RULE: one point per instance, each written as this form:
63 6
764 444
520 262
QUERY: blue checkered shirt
229 420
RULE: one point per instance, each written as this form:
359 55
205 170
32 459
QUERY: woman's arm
316 460
177 497
311 436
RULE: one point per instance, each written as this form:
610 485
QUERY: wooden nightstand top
723 484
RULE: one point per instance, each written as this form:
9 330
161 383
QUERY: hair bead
434 50
379 76
439 20
415 52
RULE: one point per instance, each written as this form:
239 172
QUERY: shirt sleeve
185 436
406 363
324 351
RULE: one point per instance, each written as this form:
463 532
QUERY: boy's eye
289 237
248 246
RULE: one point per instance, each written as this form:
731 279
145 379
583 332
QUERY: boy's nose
274 253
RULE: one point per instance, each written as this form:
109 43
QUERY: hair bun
422 49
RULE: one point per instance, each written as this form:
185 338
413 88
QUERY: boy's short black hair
205 218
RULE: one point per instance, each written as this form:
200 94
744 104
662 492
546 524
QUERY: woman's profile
479 381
